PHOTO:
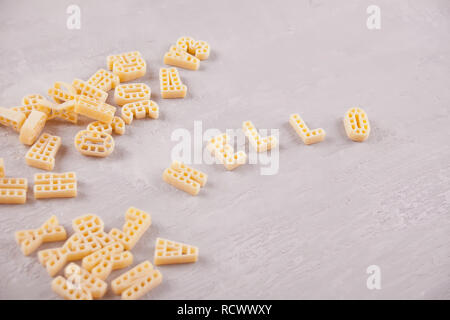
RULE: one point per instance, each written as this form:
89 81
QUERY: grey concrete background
333 209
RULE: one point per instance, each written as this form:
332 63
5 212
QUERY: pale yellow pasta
32 127
30 240
13 190
261 144
179 58
171 252
136 282
55 185
42 154
221 149
170 84
308 136
12 118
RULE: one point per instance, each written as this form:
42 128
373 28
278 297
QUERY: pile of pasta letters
102 252
88 98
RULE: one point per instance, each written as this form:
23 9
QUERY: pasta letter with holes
356 124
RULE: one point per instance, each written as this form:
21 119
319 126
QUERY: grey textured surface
332 210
